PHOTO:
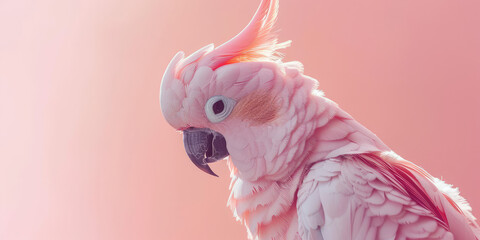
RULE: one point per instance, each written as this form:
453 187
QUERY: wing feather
366 197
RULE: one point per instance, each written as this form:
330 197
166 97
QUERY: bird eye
218 108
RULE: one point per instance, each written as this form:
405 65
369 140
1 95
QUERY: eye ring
218 108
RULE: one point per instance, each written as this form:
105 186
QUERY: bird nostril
209 152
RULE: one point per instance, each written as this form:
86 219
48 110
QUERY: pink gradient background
86 154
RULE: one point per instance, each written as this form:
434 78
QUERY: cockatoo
301 167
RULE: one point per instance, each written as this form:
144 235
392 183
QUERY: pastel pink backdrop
86 154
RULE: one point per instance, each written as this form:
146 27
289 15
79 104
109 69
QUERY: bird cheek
258 108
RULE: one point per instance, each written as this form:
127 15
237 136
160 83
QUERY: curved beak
204 146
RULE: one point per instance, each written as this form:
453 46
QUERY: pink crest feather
256 42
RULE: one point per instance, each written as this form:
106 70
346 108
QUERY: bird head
240 100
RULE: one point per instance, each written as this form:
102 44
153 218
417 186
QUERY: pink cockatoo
301 167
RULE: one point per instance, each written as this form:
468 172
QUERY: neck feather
267 207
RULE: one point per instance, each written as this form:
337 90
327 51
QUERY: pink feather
256 42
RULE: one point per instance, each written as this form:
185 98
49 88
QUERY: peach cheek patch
259 108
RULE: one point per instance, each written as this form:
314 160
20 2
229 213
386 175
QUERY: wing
349 198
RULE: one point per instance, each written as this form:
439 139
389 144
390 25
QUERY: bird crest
258 41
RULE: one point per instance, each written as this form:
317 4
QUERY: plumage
300 167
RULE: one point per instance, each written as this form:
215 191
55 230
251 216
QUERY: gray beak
204 146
